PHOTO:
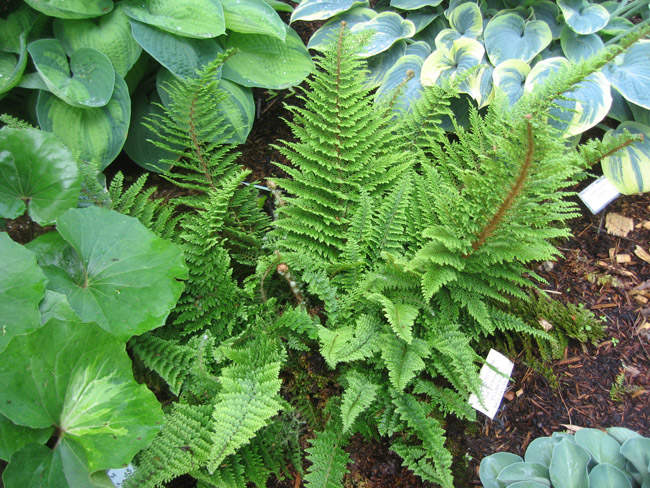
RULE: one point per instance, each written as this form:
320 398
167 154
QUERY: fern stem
197 145
626 143
489 229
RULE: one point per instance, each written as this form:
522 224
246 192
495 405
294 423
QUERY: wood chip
618 225
646 224
546 325
572 428
642 254
623 258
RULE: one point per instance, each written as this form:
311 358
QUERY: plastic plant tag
597 195
117 476
494 384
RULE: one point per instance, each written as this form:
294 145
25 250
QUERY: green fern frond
403 360
446 400
349 343
328 459
359 394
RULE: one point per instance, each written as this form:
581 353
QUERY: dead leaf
572 428
642 254
623 258
618 225
546 325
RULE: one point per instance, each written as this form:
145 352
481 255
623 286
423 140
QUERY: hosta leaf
267 62
602 447
77 378
238 110
510 77
93 76
405 76
524 471
577 47
585 105
13 26
608 476
329 31
639 114
111 35
616 26
421 18
637 451
443 64
467 20
569 465
548 12
13 437
540 450
508 36
385 29
113 270
37 173
380 65
323 9
630 75
189 18
584 17
72 9
628 169
253 17
620 109
182 56
414 4
492 465
22 285
93 134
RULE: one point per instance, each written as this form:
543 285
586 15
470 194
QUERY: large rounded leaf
608 476
22 285
637 451
13 46
78 378
328 32
492 465
577 47
568 467
548 12
93 76
540 450
37 173
253 17
72 9
385 30
111 35
13 437
584 17
525 471
93 134
602 447
380 65
238 110
405 77
414 4
629 168
324 9
113 270
508 36
583 107
267 62
510 76
189 18
630 75
467 20
442 63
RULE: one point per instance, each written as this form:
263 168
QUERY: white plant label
494 385
597 195
117 475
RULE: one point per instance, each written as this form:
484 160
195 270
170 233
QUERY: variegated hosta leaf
442 64
238 110
111 35
629 168
421 18
510 77
431 31
414 4
548 12
509 36
12 67
72 9
629 73
481 86
467 20
584 17
577 47
639 114
253 17
616 26
419 48
13 41
190 18
92 79
324 9
586 105
620 109
380 65
329 31
386 29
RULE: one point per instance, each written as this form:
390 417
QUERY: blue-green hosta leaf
419 48
492 465
602 447
629 73
414 4
629 168
620 109
111 35
37 173
569 465
93 134
540 450
584 17
637 451
238 110
639 114
586 105
421 18
329 31
508 36
524 471
13 437
510 77
12 67
267 62
22 286
467 20
72 9
78 378
621 434
324 9
380 65
386 29
577 47
608 476
253 17
183 56
92 80
442 64
279 6
548 12
481 86
405 76
113 270
616 26
431 31
13 26
189 18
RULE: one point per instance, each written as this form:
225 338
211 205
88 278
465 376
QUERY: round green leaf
93 76
13 437
324 9
527 484
414 4
78 378
14 26
267 62
621 434
72 9
510 76
385 30
548 12
189 18
616 26
94 134
22 285
328 32
238 109
12 67
182 56
253 17
405 76
524 471
37 172
540 450
577 47
568 467
492 465
113 270
508 36
602 447
442 64
111 35
637 451
608 476
629 168
630 75
584 17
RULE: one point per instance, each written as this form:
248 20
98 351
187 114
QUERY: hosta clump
618 458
